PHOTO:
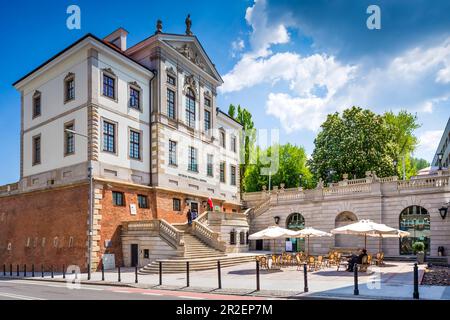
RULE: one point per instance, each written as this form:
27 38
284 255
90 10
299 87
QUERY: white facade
145 68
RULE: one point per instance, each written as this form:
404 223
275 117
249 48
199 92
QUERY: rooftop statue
188 25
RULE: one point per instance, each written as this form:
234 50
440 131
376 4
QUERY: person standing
189 216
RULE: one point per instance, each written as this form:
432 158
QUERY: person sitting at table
356 259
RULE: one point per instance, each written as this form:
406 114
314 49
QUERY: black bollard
305 275
416 282
64 271
118 274
103 273
257 276
52 271
136 274
160 273
42 270
219 275
4 269
356 290
89 271
187 273
10 270
17 270
24 270
32 270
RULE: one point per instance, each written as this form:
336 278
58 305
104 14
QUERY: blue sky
289 62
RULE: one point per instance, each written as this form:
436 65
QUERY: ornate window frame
67 79
135 86
109 73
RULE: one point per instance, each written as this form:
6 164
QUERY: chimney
118 38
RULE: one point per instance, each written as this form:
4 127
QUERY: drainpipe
155 72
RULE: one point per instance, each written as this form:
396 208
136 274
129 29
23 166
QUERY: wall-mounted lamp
276 219
443 212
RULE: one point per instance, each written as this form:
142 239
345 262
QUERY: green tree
357 142
292 169
247 137
401 128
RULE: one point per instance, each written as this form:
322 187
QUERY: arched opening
190 108
344 240
295 222
415 220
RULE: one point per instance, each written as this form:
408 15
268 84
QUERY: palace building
143 122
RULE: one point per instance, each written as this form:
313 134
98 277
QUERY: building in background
145 121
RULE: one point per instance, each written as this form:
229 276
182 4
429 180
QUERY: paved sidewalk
393 281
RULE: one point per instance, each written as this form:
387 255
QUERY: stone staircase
201 247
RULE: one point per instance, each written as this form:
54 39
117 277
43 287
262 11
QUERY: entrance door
134 255
259 244
194 205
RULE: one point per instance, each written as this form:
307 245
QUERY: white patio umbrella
366 228
310 232
272 233
398 234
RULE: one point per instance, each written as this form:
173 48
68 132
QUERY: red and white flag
210 204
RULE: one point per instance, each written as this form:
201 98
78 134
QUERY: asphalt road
16 289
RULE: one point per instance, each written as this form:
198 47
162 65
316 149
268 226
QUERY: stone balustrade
261 200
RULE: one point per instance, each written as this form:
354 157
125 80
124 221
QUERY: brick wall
112 217
40 225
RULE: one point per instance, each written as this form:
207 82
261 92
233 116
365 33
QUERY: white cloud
263 33
237 46
428 143
297 113
319 84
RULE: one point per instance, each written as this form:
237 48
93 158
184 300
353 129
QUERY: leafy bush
418 247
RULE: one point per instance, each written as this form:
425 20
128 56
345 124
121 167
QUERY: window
69 139
171 104
209 165
233 237
233 175
109 137
193 159
146 254
36 150
207 102
172 153
222 172
207 120
118 199
242 237
176 204
190 109
171 80
142 201
233 143
222 139
135 141
109 86
135 98
36 104
69 88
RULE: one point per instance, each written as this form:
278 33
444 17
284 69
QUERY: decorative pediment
208 94
134 84
109 70
171 71
70 75
192 50
190 82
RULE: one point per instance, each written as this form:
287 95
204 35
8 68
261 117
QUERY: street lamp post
440 156
395 166
404 167
91 202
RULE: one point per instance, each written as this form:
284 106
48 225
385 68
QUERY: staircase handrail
207 235
171 234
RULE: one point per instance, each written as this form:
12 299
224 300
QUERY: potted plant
419 251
